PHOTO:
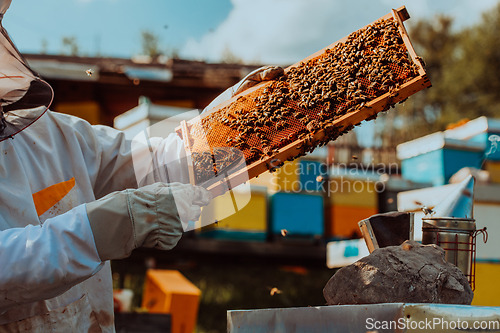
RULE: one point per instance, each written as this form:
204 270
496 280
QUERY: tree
464 68
150 44
471 77
421 114
45 46
70 44
229 57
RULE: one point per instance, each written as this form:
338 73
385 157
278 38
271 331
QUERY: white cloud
285 31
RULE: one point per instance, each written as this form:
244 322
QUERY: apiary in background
146 114
302 173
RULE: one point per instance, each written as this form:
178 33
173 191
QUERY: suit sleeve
43 261
115 163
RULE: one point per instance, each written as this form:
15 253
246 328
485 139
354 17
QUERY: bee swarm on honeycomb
370 63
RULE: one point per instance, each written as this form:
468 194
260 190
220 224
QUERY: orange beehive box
493 167
343 222
168 291
283 119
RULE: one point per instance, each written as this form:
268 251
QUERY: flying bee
274 291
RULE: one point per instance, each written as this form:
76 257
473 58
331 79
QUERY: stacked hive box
487 293
300 214
297 204
435 158
240 216
352 197
484 131
312 175
493 167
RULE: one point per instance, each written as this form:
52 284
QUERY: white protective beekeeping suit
69 203
54 248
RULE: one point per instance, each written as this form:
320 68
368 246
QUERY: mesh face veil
24 96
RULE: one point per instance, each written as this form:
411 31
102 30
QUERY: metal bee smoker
451 225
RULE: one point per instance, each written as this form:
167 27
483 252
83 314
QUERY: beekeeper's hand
151 216
265 73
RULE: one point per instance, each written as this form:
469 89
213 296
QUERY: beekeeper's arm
43 261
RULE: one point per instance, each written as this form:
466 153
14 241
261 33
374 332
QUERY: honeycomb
371 62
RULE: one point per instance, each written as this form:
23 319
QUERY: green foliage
229 57
243 287
472 74
45 45
70 46
464 68
150 44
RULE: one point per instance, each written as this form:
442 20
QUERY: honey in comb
371 62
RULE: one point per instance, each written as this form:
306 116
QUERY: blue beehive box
311 175
435 158
299 213
481 130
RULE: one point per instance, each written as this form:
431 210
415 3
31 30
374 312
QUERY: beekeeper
56 239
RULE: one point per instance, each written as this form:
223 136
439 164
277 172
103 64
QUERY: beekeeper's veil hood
24 96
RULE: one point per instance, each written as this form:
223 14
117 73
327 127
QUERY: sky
278 32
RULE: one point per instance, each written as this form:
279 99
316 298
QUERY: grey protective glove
265 73
151 216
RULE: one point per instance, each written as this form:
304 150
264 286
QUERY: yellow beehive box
168 291
487 292
88 110
493 167
345 191
287 177
237 216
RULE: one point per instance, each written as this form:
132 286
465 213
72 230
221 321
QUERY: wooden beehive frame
345 122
